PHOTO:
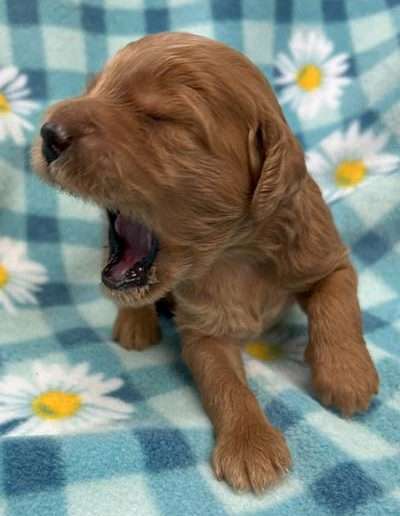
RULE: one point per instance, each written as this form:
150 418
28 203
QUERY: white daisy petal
17 84
8 414
339 82
303 110
316 47
98 414
11 385
3 132
21 295
322 47
32 278
71 425
298 45
299 99
112 404
91 418
331 94
285 65
7 75
337 65
109 386
31 283
366 138
325 50
333 102
324 180
310 40
332 145
353 132
18 120
46 376
28 427
327 187
285 79
310 106
56 377
382 164
19 94
27 266
288 94
6 303
373 143
52 428
11 250
79 373
23 107
14 129
340 193
25 269
18 401
317 164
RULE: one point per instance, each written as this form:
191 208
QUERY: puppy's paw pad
251 459
133 332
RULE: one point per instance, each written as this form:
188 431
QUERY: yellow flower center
56 405
309 77
263 350
4 105
350 173
4 276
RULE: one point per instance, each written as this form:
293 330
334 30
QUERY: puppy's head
181 140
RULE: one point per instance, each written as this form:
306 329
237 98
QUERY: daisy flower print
59 399
15 105
277 344
282 351
312 77
20 278
349 159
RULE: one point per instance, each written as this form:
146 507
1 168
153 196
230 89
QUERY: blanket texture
90 429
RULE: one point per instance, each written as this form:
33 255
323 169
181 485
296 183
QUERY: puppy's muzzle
55 141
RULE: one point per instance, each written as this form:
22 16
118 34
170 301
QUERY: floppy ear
277 164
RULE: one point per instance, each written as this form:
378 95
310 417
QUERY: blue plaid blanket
90 429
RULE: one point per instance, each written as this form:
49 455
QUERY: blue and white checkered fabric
129 436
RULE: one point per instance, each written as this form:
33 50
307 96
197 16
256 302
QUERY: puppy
182 141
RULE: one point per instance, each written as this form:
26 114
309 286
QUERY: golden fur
186 135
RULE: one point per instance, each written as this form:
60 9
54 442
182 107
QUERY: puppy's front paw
136 329
347 380
251 458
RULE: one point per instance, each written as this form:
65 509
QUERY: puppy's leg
250 453
343 374
137 328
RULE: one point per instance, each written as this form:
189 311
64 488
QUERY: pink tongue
137 244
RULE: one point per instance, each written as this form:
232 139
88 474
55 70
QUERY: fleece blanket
90 429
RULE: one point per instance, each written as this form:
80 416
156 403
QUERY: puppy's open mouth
133 250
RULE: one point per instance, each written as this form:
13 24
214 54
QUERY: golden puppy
182 141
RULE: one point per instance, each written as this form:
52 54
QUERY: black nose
55 141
